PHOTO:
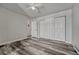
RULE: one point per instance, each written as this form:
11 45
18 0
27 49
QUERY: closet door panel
44 28
60 28
34 29
51 31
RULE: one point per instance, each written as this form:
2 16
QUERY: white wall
75 26
13 26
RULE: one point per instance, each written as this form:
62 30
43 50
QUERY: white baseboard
13 41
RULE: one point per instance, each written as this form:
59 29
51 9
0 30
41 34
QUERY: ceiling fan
35 6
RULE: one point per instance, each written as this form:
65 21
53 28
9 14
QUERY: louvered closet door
60 28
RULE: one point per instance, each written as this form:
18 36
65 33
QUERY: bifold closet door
34 29
52 26
60 29
44 28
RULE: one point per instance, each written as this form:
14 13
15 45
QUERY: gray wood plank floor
36 46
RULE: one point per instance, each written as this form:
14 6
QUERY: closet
55 27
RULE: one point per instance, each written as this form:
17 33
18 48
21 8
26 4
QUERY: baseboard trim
12 41
76 49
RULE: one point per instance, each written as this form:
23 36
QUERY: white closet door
51 31
44 28
60 28
34 29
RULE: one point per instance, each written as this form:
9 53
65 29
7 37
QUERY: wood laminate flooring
36 46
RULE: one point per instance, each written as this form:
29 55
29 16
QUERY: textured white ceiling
47 8
12 7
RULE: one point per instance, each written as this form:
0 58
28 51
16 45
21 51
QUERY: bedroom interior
39 29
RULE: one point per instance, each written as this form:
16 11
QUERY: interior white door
60 28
